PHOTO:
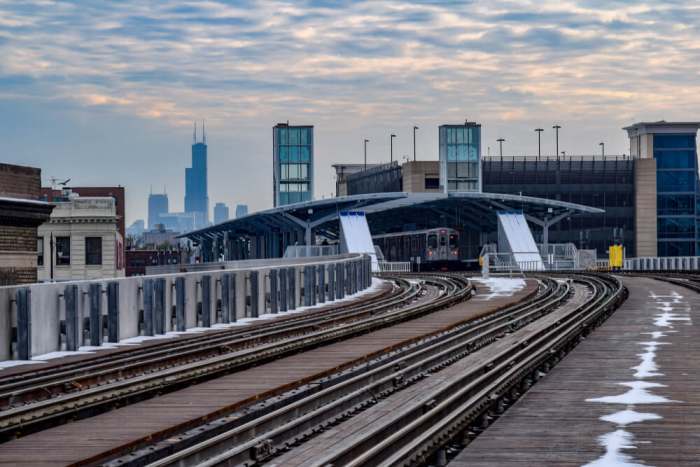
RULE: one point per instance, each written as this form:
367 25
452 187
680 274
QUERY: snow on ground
85 350
614 442
639 392
499 287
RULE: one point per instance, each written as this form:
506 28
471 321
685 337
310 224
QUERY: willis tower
196 192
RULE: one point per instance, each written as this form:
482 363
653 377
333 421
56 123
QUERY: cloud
350 66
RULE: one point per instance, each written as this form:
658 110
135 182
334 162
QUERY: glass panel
283 136
93 250
284 153
62 251
304 136
305 154
676 227
675 181
294 154
460 135
294 136
40 251
684 141
669 159
676 204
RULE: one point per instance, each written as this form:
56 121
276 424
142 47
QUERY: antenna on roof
204 134
194 136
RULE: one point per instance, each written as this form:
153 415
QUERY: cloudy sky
106 92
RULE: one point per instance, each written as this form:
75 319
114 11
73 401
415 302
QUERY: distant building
157 206
138 260
136 229
241 210
114 192
666 209
220 213
460 157
180 222
293 163
21 213
343 171
160 237
196 190
81 240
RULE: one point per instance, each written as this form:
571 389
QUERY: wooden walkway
92 437
629 395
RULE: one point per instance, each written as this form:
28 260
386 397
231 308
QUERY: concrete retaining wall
42 318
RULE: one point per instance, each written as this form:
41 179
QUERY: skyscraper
293 163
196 191
220 213
241 210
157 206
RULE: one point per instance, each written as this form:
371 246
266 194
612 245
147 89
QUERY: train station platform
627 396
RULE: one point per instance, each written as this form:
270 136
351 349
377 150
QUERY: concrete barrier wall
43 318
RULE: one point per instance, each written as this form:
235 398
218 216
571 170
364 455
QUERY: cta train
437 247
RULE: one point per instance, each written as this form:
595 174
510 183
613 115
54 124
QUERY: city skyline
357 70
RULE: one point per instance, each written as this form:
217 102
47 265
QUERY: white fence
670 263
388 266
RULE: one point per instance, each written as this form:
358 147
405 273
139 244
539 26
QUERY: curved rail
367 317
419 432
272 432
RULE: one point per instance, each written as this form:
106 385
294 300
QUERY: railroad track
413 436
272 429
51 397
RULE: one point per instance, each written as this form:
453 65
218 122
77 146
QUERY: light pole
414 142
602 149
556 138
500 146
392 147
539 141
366 141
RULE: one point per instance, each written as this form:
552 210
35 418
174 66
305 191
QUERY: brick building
21 213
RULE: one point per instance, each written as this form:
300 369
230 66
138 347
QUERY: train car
437 247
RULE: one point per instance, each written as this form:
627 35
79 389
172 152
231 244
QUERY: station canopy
395 212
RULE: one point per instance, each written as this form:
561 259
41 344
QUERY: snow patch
500 287
625 417
637 394
614 442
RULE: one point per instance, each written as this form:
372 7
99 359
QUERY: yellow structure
615 256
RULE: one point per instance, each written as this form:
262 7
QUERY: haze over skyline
106 93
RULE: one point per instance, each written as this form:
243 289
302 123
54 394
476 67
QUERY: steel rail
272 432
100 398
419 431
68 378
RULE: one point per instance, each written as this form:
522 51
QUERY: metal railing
395 266
668 263
302 251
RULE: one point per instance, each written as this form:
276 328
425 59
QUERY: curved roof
472 208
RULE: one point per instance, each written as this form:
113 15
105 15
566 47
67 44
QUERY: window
62 251
432 241
432 183
683 141
675 180
669 159
40 251
93 251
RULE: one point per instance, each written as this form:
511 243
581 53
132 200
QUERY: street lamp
539 141
602 149
500 146
414 142
556 131
392 147
366 141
